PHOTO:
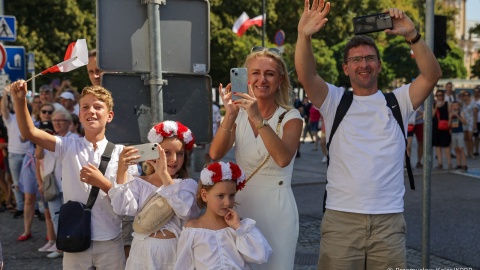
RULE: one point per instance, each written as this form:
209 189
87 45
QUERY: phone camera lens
155 145
236 74
153 148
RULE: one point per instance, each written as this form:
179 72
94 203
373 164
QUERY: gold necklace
268 118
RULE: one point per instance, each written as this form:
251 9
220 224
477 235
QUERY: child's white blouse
223 249
128 199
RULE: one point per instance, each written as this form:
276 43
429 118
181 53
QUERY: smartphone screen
372 23
238 78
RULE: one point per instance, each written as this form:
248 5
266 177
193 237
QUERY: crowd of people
243 215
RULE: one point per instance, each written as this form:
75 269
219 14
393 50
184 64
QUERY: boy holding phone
80 158
363 225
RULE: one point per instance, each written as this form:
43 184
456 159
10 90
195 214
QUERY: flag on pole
75 57
244 22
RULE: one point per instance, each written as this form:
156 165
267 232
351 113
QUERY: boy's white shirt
76 153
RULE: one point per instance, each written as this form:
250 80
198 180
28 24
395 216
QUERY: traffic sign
31 62
122 36
8 31
15 66
186 98
3 56
279 38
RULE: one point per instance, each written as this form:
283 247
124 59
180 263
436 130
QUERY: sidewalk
308 170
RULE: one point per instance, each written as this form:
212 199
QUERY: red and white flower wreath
221 171
168 129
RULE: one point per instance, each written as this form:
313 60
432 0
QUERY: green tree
476 69
452 66
46 27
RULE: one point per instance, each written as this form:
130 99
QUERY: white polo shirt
75 153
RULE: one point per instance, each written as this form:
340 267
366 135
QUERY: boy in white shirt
80 159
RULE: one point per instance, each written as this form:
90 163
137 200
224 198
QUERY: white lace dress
129 198
225 249
268 197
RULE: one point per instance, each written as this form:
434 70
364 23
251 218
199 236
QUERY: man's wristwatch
264 123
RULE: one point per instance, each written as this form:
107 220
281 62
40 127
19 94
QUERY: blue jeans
15 162
54 207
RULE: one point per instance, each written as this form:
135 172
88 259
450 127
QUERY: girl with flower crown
154 243
219 239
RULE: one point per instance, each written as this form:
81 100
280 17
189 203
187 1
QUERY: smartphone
239 80
147 151
372 23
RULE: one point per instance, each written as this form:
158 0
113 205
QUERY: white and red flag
244 22
75 57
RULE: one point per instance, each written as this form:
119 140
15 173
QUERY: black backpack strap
107 154
392 103
342 109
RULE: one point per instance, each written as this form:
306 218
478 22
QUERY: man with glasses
363 226
46 96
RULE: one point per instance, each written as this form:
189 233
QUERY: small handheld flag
75 57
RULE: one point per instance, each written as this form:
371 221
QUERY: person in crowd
457 121
313 120
449 93
167 177
306 117
365 175
219 239
266 131
47 96
441 138
415 127
94 73
17 149
5 179
80 159
470 112
476 135
36 102
47 164
28 179
67 99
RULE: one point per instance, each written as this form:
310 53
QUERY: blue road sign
15 66
8 32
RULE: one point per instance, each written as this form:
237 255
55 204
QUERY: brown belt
163 235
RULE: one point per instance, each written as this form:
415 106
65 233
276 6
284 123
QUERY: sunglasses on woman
46 111
260 48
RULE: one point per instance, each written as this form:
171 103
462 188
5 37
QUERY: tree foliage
46 27
47 31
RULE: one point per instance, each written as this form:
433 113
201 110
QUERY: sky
473 10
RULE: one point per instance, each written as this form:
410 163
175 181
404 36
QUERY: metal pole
427 146
264 18
155 80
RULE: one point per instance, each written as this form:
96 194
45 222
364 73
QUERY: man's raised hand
314 18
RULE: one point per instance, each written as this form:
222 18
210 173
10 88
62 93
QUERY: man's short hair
92 53
357 41
45 87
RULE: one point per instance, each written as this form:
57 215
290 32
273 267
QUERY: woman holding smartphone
266 130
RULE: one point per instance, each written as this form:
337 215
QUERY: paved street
455 220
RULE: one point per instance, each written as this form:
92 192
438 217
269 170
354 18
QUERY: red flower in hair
236 172
216 168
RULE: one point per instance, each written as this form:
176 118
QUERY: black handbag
75 218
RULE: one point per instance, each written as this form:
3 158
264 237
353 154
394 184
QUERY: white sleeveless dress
268 198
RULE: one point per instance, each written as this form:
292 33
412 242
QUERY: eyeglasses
260 48
59 120
46 111
358 59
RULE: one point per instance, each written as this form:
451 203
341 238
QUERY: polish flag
75 57
244 22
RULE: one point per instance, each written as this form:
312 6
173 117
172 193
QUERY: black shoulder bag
75 218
